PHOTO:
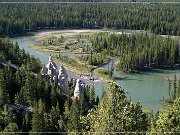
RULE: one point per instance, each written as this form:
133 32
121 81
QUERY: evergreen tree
12 128
74 118
47 98
169 88
168 119
53 94
111 69
116 114
38 120
97 100
92 95
26 123
66 114
18 80
55 118
4 95
29 87
175 87
178 90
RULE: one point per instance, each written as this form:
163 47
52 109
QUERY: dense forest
12 53
137 51
28 103
31 103
20 18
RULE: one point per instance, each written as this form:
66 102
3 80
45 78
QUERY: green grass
146 110
75 43
73 65
47 48
70 42
103 73
74 69
42 48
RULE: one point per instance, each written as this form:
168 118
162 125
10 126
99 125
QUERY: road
70 74
5 63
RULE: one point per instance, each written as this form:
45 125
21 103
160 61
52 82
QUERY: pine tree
74 118
168 120
117 102
47 98
100 118
92 95
4 95
28 88
169 88
18 80
97 100
111 69
38 119
66 114
175 87
53 94
178 90
26 123
12 128
116 114
55 117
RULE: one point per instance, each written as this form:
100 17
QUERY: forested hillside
137 51
25 98
12 53
33 103
30 104
20 18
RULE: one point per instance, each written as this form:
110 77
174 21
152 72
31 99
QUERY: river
148 88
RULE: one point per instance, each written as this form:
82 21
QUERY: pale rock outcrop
63 79
44 70
60 77
52 68
79 89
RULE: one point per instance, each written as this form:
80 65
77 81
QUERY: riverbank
167 102
103 73
152 69
147 87
80 71
42 48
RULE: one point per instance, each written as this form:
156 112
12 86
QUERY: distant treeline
158 18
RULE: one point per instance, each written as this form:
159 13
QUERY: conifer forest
55 81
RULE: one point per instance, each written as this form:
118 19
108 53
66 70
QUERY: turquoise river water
148 88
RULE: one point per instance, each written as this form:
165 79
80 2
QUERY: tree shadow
126 78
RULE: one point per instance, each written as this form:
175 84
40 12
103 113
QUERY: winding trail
5 63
